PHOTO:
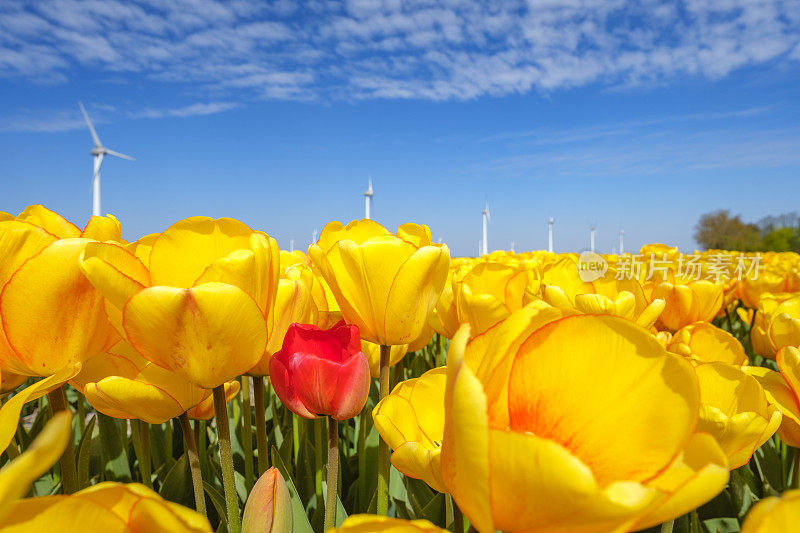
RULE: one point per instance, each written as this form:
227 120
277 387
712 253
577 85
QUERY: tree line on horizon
719 230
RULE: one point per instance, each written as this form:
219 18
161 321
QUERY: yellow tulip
444 316
489 293
292 267
564 275
704 342
774 515
624 305
696 301
203 305
294 302
411 421
122 384
17 476
776 324
751 290
583 424
367 523
40 278
385 284
783 390
734 410
108 507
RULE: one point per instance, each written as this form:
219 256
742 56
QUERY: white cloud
29 120
360 49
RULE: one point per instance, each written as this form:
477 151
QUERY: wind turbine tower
99 151
591 239
368 194
486 217
550 235
621 241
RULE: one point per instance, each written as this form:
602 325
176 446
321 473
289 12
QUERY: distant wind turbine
622 241
314 237
486 218
368 194
291 245
550 235
591 239
99 151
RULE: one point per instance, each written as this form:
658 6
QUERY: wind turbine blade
91 128
117 154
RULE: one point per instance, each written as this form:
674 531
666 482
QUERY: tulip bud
268 507
321 372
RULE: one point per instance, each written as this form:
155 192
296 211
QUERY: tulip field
201 379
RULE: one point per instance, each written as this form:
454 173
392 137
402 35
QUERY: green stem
363 498
383 448
332 477
694 522
796 470
145 464
69 471
666 527
261 424
194 463
319 457
226 460
247 434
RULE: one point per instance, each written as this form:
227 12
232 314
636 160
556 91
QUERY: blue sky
636 115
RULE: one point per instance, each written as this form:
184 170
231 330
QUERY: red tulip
321 371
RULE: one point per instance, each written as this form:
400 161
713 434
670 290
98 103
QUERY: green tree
720 230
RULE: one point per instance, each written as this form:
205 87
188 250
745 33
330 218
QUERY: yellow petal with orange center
554 395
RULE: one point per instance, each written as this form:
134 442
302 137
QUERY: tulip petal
10 411
465 450
49 221
208 334
182 252
417 461
537 485
18 242
699 474
51 313
64 514
137 399
631 378
105 228
18 475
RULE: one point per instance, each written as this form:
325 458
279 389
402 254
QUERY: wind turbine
621 241
591 239
368 194
291 245
99 151
486 217
550 235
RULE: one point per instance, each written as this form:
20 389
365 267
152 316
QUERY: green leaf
115 455
720 525
84 453
218 501
301 523
435 510
176 483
